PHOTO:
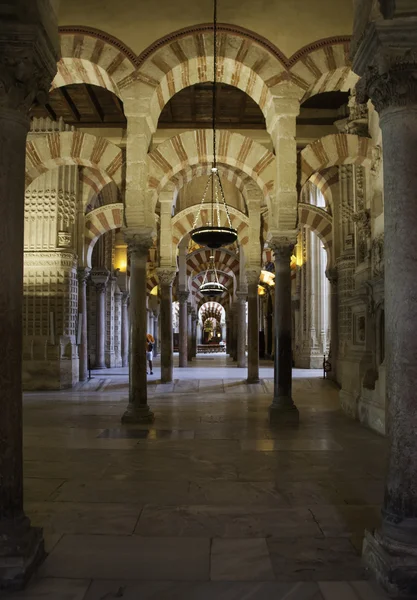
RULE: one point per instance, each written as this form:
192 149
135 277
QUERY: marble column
118 326
138 410
388 66
155 332
190 332
194 341
28 65
125 329
241 330
83 273
100 277
283 408
331 275
166 276
252 277
183 328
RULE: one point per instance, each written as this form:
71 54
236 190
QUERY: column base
393 564
21 551
253 380
137 414
283 411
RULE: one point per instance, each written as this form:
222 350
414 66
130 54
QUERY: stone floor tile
128 557
77 517
296 445
37 489
225 521
344 520
368 590
315 559
124 492
52 589
236 492
340 590
213 590
240 560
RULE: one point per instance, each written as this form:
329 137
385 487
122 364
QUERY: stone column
166 276
83 273
138 410
155 332
100 277
241 330
283 408
190 332
125 329
183 327
28 65
252 276
118 326
331 275
386 60
194 344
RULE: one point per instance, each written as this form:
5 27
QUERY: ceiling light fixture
213 234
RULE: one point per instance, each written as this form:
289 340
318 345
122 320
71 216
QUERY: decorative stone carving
252 276
390 80
182 296
64 239
332 275
83 274
363 221
166 275
138 241
377 256
376 160
100 278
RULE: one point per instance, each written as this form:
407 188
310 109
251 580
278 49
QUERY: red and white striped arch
335 149
98 222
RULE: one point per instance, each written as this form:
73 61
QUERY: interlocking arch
335 149
52 150
193 148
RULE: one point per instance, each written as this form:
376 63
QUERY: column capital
332 275
242 296
386 60
138 241
182 296
28 58
100 277
252 275
83 274
166 275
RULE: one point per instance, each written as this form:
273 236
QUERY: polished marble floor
209 502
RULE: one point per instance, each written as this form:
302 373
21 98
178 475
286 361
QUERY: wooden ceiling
191 108
83 105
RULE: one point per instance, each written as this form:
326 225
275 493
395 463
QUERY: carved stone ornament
376 160
390 81
24 77
331 275
252 276
282 252
166 275
363 221
182 297
139 244
100 278
83 274
377 255
64 239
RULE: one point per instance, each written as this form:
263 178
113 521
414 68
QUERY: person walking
149 351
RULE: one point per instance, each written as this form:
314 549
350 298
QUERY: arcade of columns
333 215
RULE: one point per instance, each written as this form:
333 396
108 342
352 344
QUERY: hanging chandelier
212 287
213 234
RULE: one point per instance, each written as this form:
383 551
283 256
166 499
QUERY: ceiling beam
70 104
94 103
51 112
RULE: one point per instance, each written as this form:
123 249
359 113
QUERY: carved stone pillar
252 276
156 332
166 276
138 410
241 329
118 327
331 275
386 58
194 334
189 332
28 64
125 329
283 408
183 328
100 277
83 273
